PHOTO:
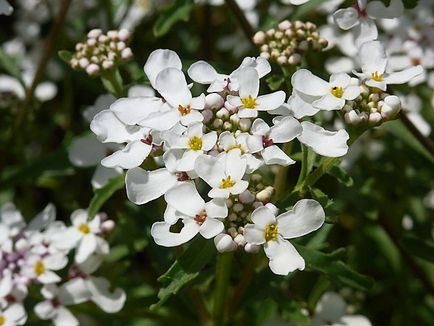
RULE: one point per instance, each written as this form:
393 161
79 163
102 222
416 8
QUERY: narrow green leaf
104 193
419 247
341 175
177 11
335 269
65 55
185 269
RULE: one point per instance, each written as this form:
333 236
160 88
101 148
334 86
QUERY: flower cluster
215 142
37 254
102 52
287 44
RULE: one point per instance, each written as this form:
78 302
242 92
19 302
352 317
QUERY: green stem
223 273
304 166
282 173
112 82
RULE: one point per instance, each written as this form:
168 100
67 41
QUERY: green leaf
274 82
65 55
419 247
10 66
104 193
335 269
177 11
321 197
341 175
185 269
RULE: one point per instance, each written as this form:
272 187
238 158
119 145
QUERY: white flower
203 73
41 267
56 298
248 102
331 310
11 224
159 60
5 8
270 231
264 138
223 173
13 315
373 61
197 216
82 234
325 95
194 143
360 17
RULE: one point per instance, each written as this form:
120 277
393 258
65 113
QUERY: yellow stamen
39 268
249 102
195 143
377 76
2 320
337 91
235 147
184 110
227 183
271 232
84 228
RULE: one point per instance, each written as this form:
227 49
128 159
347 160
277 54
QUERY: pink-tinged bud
294 59
94 33
107 226
245 124
207 115
103 38
259 38
252 248
107 64
374 118
284 25
271 32
230 107
246 197
112 34
265 55
83 62
126 53
91 42
214 101
120 46
282 60
124 35
223 114
92 69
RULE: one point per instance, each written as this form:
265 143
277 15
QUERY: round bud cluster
102 52
371 107
287 43
220 116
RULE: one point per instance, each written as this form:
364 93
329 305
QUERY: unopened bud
245 124
224 243
252 248
265 195
246 197
126 53
391 107
92 69
214 101
259 38
94 33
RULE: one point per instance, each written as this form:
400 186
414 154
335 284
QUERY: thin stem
424 141
43 61
223 273
282 174
112 82
304 165
244 23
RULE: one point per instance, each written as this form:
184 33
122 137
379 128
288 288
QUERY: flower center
147 140
266 142
271 232
377 76
337 91
200 218
249 102
235 147
195 143
227 183
39 268
84 228
2 320
184 110
182 176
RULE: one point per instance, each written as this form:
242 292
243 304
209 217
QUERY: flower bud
352 117
284 25
227 125
245 124
224 243
259 38
107 226
107 64
239 240
126 53
252 248
213 101
207 116
391 107
265 195
223 114
246 197
374 118
217 123
238 207
94 33
235 119
92 69
83 62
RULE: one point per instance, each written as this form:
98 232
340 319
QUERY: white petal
356 320
162 121
324 142
216 208
340 80
248 80
86 151
209 140
254 234
274 155
185 199
377 9
171 84
210 169
234 100
102 175
133 110
141 91
108 301
162 235
55 261
285 130
130 157
202 72
366 31
45 310
255 143
373 57
188 160
299 107
73 291
351 92
48 277
191 118
239 187
307 83
330 308
270 101
284 258
235 165
247 113
346 18
43 219
143 186
211 227
306 216
159 60
219 193
259 127
329 102
64 317
5 8
198 102
86 247
262 216
403 76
